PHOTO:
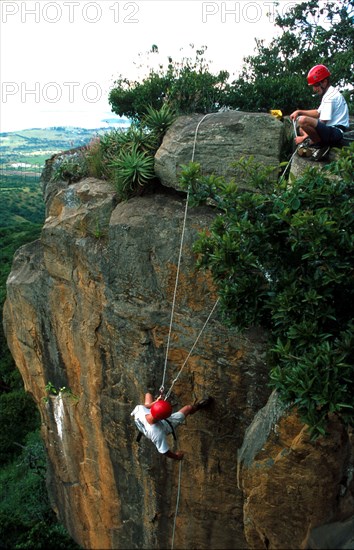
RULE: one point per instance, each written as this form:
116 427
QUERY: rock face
89 308
88 311
298 493
217 140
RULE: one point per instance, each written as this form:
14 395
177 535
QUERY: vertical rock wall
88 309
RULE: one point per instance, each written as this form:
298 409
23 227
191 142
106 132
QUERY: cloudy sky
60 58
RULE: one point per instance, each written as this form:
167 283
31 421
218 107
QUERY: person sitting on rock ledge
155 420
321 128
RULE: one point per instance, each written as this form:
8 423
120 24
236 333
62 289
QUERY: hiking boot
203 404
305 152
320 152
304 149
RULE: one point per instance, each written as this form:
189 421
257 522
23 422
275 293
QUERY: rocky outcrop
88 312
217 141
295 488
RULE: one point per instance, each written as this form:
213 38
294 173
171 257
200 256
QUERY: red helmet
317 74
161 409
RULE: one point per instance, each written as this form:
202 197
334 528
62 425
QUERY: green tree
282 258
26 517
18 416
312 32
186 85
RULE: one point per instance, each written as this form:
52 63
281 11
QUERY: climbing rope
162 387
287 166
192 348
174 294
177 503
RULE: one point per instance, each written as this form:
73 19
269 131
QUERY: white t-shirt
155 432
334 109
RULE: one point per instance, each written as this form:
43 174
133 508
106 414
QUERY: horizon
94 122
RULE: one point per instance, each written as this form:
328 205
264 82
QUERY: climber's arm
149 400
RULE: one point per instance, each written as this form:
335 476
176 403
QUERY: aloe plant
159 120
132 168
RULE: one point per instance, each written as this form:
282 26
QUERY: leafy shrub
186 86
131 98
282 258
126 158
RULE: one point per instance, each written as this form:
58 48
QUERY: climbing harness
140 434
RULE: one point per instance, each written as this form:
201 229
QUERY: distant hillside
27 150
22 159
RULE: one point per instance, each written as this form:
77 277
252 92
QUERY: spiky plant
132 168
159 120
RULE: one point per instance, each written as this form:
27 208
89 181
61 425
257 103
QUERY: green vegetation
26 517
21 201
124 158
282 258
23 153
52 390
133 165
311 32
132 168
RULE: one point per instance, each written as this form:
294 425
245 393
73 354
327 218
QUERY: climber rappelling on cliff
156 421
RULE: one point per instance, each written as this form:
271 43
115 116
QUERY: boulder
216 141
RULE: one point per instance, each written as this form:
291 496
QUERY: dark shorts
176 419
330 135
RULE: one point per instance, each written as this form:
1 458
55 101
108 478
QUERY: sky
59 59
